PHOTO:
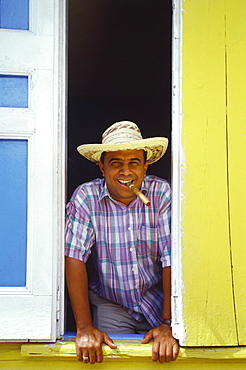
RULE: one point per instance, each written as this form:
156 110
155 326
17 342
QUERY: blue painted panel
14 14
13 91
13 212
70 335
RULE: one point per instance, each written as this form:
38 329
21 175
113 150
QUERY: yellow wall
214 179
236 97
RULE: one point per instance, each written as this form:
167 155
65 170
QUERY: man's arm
88 339
165 347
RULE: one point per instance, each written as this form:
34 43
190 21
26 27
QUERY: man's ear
101 166
146 165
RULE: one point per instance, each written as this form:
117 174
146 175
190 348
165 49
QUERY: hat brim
155 148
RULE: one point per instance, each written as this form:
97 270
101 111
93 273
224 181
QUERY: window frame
177 166
176 179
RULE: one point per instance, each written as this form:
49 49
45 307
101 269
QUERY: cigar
139 194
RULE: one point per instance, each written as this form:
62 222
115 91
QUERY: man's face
122 168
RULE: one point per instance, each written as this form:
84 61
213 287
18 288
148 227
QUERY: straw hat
125 135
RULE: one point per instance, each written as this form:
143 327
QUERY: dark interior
119 58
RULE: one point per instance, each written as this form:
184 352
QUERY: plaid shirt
129 244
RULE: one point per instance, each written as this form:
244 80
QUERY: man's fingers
155 351
79 354
168 353
175 351
99 355
109 341
147 337
86 357
92 356
165 354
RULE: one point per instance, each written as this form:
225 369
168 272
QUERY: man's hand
165 347
89 344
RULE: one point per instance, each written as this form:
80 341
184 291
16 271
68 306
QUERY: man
128 243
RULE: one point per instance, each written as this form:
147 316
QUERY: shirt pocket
147 244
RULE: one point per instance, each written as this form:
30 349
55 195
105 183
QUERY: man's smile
125 182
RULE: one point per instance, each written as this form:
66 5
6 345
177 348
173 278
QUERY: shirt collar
144 187
104 192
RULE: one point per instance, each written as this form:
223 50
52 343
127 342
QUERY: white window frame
178 164
60 69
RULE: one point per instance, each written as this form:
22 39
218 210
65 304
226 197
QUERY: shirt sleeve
164 227
79 233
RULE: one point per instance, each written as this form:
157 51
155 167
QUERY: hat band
122 137
119 140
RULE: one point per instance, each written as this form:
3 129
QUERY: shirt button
136 286
134 269
131 249
129 228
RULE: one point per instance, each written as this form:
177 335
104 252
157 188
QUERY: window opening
119 57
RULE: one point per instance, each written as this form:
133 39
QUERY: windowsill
130 347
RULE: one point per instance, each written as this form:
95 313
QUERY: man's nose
125 169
